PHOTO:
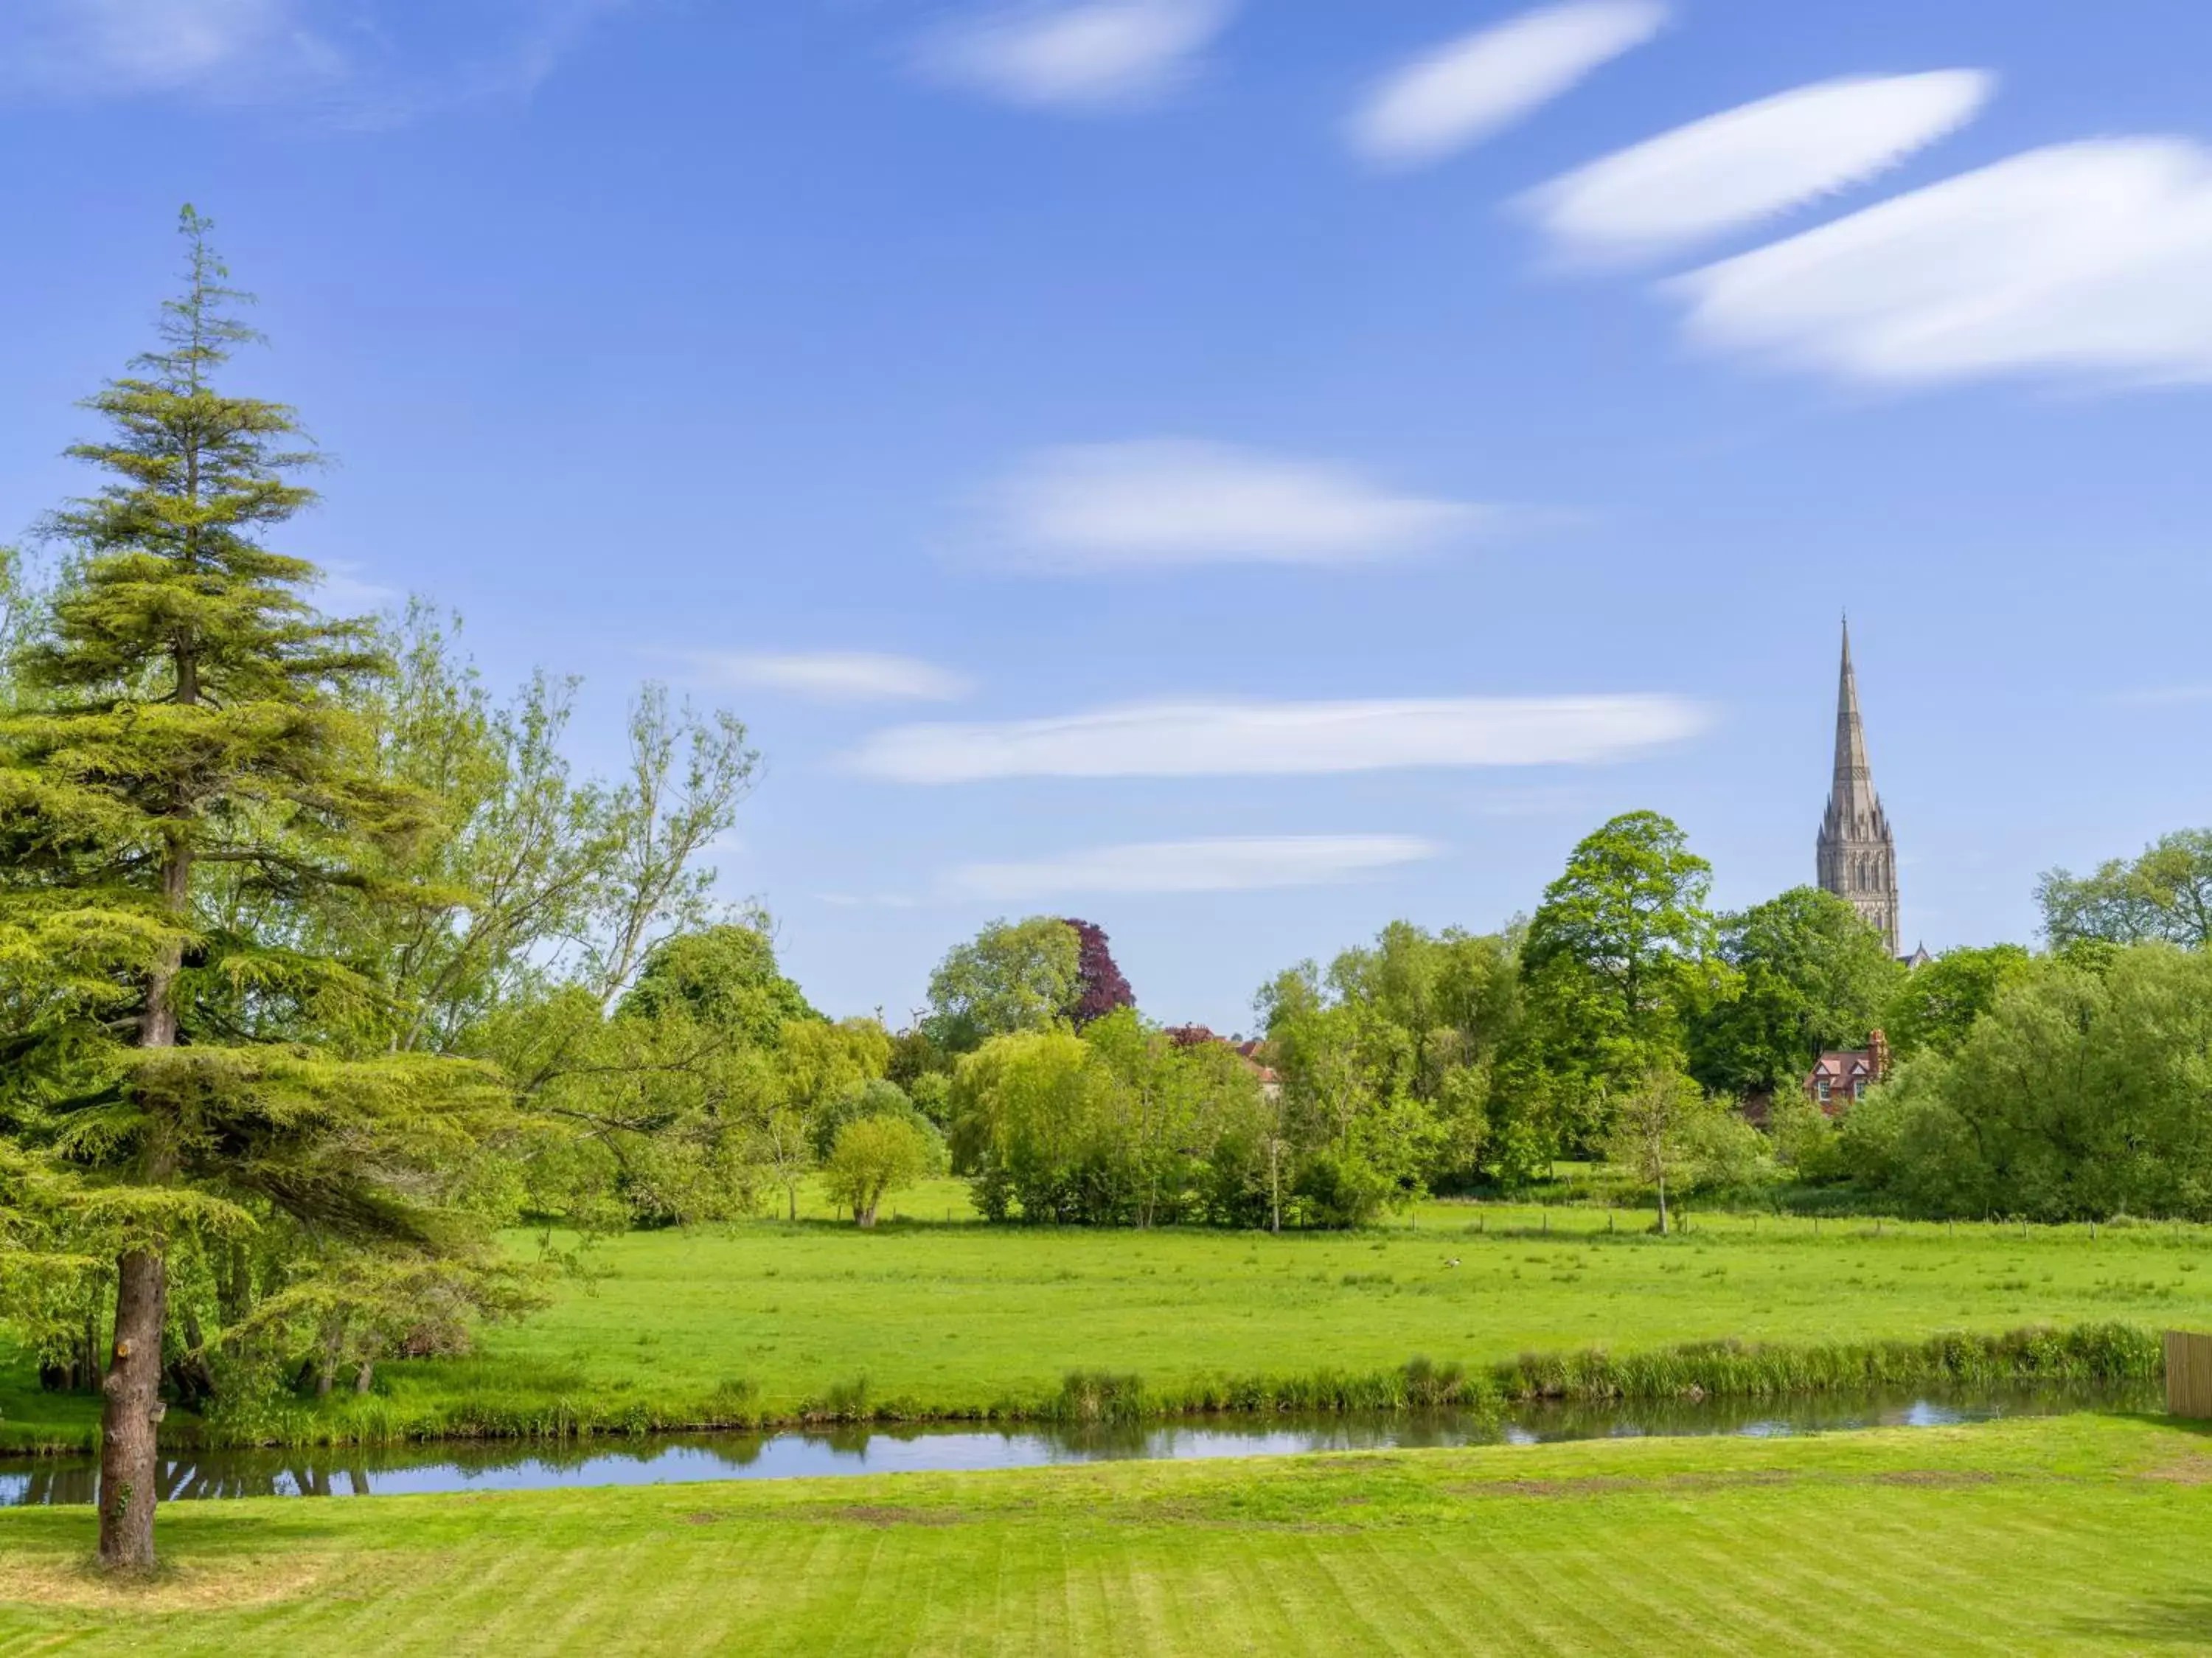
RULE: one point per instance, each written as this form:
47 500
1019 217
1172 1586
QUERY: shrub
872 1159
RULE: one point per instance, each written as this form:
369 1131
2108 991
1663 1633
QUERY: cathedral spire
1854 782
1857 854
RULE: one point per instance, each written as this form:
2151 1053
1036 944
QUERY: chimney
1877 1056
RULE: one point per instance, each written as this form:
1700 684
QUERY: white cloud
1093 54
836 675
1748 164
86 47
1162 502
2169 696
344 591
1472 87
1230 864
1256 739
2092 258
355 62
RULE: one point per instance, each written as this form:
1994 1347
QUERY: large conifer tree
183 775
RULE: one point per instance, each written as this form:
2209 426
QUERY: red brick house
1843 1075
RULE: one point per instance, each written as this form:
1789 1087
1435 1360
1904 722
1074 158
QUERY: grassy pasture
962 1318
2079 1534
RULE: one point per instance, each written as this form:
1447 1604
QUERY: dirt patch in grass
871 1513
1941 1479
184 1586
1607 1485
2195 1469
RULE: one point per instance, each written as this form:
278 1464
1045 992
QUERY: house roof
1842 1065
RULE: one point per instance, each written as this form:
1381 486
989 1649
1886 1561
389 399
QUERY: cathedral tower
1858 855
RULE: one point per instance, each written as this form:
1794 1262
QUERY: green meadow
922 1318
2077 1534
958 1320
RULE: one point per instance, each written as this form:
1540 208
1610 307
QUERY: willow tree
182 778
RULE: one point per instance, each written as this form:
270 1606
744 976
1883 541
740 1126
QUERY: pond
508 1465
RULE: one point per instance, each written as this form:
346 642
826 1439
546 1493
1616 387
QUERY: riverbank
2101 1354
770 1323
2079 1533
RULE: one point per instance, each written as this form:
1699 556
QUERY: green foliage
874 1157
1617 956
1805 1138
1032 1116
2080 1095
186 784
1010 978
724 978
1809 975
1120 1126
15 605
1388 1068
878 1096
1937 1004
187 767
1669 1135
2165 895
529 880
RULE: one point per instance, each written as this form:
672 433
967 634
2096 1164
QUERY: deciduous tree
1809 975
1617 956
2164 895
1010 976
873 1158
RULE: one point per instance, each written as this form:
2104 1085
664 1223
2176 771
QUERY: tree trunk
364 1377
234 1286
190 1375
1662 1205
130 1463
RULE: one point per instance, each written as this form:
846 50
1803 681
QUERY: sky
1238 472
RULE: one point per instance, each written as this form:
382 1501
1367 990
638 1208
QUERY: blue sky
1234 471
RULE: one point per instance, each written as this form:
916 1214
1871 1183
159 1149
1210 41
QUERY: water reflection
674 1459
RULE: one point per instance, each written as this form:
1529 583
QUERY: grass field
2081 1534
962 1318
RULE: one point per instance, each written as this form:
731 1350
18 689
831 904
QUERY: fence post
2189 1375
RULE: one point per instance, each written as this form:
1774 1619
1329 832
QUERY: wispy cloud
80 48
2170 695
1229 864
355 62
1163 502
1750 164
2084 258
1088 55
836 675
1254 739
1470 87
344 589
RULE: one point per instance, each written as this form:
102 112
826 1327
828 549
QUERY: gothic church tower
1858 855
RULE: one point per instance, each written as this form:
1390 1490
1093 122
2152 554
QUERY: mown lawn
962 1317
2071 1534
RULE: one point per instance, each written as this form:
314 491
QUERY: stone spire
1857 854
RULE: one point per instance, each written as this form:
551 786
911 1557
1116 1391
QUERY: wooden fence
2189 1375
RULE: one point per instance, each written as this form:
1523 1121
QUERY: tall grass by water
772 1323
